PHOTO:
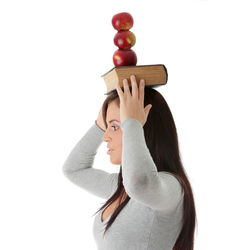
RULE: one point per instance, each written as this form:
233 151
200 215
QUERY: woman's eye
114 126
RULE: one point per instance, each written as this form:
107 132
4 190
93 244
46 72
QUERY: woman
150 203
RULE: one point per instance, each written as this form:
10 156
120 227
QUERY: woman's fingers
119 91
126 88
137 89
141 90
134 86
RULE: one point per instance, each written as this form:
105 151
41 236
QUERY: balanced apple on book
125 58
124 40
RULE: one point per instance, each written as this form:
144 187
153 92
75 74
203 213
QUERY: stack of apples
124 40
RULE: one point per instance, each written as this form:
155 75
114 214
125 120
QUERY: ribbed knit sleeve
142 182
78 167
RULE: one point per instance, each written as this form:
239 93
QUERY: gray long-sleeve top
151 220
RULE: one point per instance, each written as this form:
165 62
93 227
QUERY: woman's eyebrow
113 120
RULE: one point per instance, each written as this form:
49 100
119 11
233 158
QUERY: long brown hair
162 141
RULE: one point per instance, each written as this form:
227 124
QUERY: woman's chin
115 162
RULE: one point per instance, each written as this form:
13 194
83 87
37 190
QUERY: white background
52 56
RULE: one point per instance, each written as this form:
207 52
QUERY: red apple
122 21
124 57
124 39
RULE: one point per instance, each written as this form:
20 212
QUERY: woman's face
113 133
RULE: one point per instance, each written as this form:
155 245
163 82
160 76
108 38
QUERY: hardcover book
154 76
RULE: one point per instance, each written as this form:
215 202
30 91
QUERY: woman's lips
109 151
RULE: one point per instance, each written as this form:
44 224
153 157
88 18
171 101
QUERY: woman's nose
106 137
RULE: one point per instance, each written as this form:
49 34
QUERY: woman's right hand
99 122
